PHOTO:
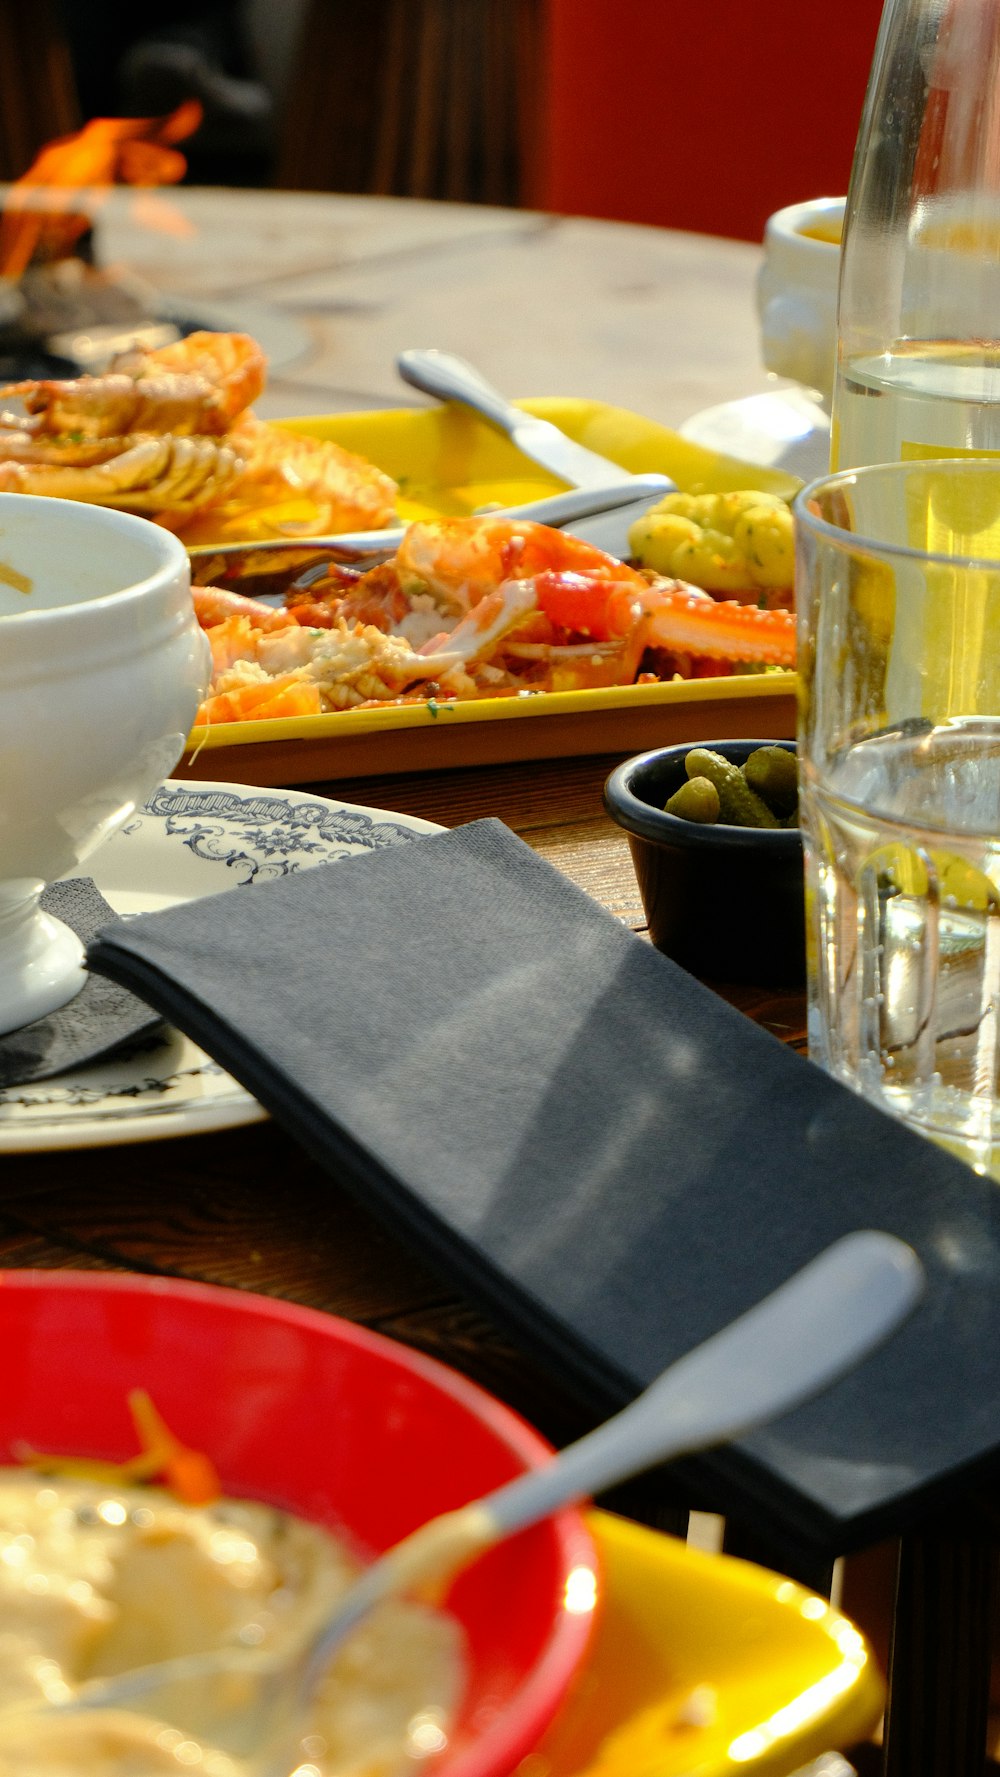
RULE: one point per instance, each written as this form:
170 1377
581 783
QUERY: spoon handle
807 1333
450 378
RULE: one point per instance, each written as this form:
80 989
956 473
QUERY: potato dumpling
727 543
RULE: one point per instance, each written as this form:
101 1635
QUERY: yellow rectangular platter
448 462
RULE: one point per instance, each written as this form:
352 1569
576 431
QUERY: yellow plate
707 1667
447 461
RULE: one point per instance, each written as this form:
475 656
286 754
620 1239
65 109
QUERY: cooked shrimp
198 390
136 474
212 604
231 363
201 384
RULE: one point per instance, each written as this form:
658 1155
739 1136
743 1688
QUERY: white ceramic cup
102 668
797 292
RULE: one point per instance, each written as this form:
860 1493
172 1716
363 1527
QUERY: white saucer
783 429
190 840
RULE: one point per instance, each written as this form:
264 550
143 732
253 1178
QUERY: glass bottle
918 369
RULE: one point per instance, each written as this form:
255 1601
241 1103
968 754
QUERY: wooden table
336 286
659 322
248 1209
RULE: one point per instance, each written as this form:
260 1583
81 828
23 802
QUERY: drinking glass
899 750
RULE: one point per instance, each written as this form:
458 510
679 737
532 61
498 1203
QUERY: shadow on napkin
103 1017
591 1143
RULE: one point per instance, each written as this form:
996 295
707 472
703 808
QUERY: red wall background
700 114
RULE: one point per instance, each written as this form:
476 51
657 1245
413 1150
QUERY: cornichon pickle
696 800
739 805
774 774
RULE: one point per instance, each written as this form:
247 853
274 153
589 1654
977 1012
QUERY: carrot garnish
282 696
188 1474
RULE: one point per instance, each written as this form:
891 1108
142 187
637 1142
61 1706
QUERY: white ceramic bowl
102 668
797 292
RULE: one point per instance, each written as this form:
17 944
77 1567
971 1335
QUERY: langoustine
138 473
473 608
200 384
170 433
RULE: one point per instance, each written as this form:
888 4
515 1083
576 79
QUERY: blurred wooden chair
415 98
38 98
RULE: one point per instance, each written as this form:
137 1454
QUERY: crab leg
724 629
674 616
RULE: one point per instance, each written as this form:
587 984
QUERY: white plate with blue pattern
190 840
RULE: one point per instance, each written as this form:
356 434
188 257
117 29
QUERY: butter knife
450 378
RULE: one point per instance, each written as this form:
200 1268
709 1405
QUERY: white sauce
96 1580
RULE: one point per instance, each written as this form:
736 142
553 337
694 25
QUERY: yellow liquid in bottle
922 398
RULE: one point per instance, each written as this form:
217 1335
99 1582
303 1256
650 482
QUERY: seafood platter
480 638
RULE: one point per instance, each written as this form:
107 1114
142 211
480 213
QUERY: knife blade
450 378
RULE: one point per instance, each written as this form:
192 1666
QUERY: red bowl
340 1425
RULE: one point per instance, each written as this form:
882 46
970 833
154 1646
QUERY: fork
554 509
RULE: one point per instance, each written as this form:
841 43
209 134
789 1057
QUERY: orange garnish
188 1474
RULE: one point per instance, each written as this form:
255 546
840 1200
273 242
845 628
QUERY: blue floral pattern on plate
261 835
188 840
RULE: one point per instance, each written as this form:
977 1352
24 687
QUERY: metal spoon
798 1340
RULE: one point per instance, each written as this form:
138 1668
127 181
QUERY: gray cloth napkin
598 1148
102 1018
